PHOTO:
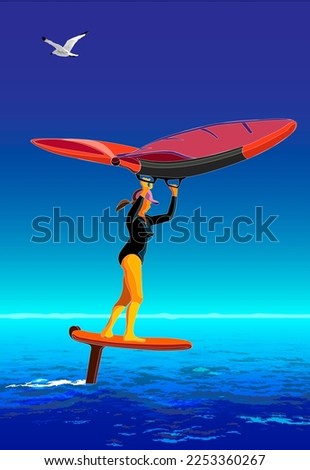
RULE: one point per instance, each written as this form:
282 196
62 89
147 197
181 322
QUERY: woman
131 257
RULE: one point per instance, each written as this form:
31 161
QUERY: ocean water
244 385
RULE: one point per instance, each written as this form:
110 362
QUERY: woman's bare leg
133 278
122 302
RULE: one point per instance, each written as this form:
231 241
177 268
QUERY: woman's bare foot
106 333
133 337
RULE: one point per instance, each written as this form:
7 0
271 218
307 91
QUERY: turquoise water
244 384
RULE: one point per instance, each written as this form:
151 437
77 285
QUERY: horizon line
166 316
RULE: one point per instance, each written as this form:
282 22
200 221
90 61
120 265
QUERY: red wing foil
253 137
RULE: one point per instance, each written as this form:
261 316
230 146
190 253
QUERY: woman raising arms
131 257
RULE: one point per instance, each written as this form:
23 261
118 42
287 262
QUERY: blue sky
147 70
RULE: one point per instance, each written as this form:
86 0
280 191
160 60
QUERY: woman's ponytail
122 204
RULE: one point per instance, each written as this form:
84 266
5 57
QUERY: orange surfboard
97 343
155 344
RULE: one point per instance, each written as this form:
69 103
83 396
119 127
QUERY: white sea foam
281 419
44 383
165 316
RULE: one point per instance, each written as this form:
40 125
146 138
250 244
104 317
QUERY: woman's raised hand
146 185
174 190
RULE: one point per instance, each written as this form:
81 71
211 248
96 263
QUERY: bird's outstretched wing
71 42
54 44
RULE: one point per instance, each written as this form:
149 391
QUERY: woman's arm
135 208
132 214
161 218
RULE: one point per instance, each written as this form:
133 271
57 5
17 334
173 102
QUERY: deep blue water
243 385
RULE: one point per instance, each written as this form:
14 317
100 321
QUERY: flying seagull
65 51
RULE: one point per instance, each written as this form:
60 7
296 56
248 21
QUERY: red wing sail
188 153
210 148
253 137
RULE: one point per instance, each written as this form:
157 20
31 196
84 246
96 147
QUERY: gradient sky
147 70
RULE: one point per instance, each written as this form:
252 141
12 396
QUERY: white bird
65 51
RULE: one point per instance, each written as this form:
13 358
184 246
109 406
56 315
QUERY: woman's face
146 206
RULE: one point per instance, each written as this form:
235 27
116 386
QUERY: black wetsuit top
140 229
